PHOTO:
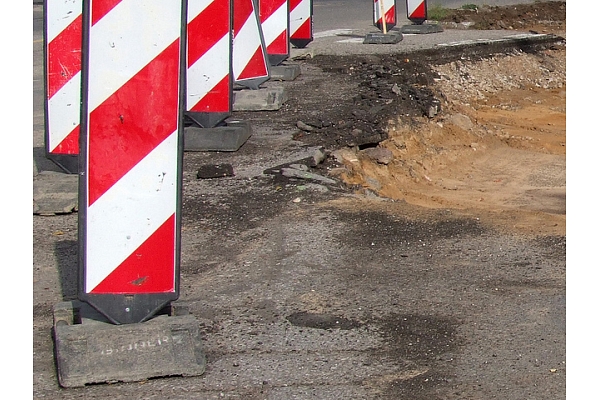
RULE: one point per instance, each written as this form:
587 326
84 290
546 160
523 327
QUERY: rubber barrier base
392 37
421 28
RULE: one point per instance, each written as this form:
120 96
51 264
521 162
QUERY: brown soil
542 17
482 132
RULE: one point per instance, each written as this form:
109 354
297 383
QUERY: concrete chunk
222 138
269 99
284 72
100 352
55 193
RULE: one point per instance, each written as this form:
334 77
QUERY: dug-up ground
499 144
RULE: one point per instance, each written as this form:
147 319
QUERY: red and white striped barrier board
63 25
387 8
209 58
274 17
416 10
132 151
301 22
250 63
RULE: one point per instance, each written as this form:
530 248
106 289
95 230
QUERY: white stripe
412 5
299 15
195 7
275 24
208 71
245 44
60 14
387 5
64 111
131 211
121 43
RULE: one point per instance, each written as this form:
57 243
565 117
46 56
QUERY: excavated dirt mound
484 132
542 17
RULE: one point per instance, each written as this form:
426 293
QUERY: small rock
318 157
462 121
381 155
299 167
305 127
296 173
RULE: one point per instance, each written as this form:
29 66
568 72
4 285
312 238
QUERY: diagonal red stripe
217 100
102 7
242 10
206 29
294 3
70 144
64 56
149 269
256 67
390 15
420 12
133 121
268 7
304 31
279 45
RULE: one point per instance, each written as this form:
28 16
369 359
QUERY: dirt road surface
424 257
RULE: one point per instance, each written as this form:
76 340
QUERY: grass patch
436 12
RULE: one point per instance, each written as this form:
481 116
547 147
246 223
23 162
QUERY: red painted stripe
420 12
279 45
207 29
217 100
149 269
133 121
268 7
294 3
102 7
390 15
64 56
256 66
70 144
304 31
242 10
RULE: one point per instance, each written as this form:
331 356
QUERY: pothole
321 321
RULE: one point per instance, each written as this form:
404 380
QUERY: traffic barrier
385 8
250 62
209 57
275 21
301 22
132 151
416 11
62 65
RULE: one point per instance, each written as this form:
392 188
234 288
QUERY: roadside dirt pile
542 17
484 132
499 143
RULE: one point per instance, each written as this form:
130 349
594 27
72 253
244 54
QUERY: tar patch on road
430 343
390 229
321 321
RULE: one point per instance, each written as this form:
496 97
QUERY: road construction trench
499 144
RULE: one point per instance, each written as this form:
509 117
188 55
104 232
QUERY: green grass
469 7
436 12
